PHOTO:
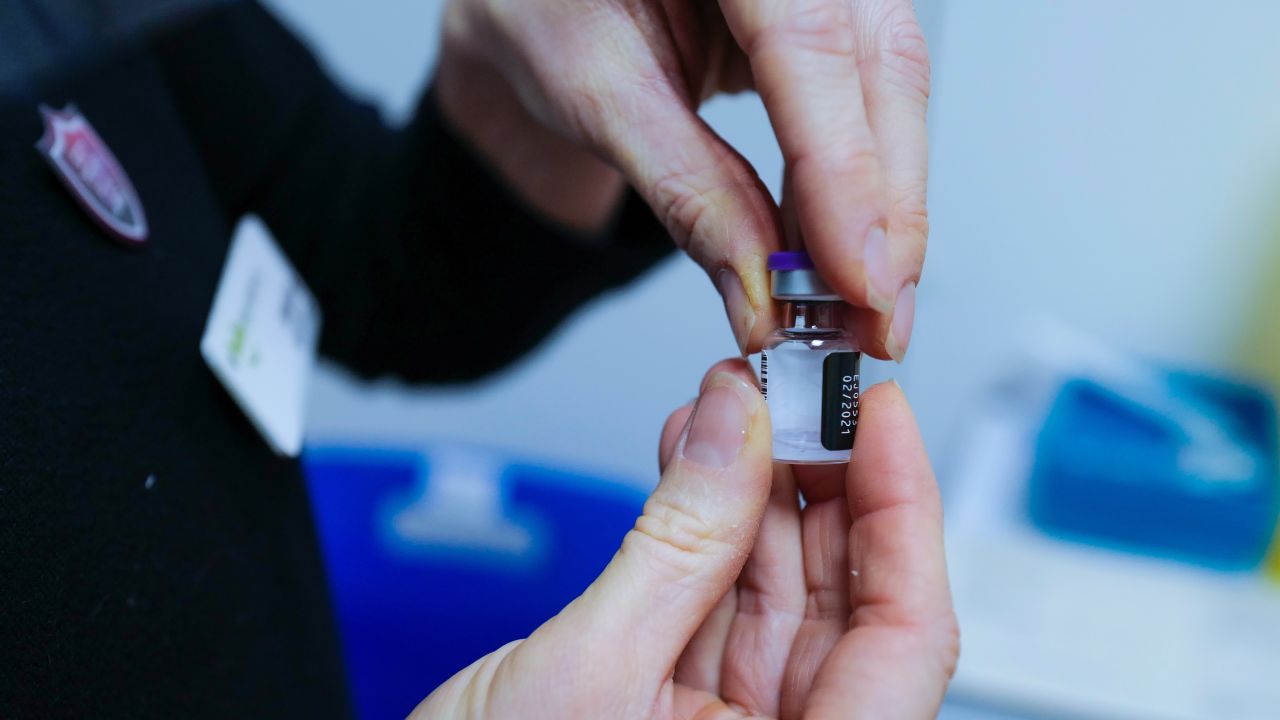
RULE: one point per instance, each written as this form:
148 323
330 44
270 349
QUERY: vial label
839 400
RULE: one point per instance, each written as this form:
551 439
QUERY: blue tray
420 588
1111 471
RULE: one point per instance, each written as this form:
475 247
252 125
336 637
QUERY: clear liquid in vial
791 369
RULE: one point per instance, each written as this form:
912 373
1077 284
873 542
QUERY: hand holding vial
836 609
568 119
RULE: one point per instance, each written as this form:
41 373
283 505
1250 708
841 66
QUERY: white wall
1107 164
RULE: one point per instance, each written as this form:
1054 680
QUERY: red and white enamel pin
84 163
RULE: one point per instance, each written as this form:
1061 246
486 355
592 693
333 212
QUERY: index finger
803 56
901 649
846 85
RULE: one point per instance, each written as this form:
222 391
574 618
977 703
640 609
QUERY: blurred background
1091 368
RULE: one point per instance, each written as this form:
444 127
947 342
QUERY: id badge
262 335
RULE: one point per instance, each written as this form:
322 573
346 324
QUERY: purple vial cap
791 260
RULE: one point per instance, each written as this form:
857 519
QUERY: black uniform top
201 591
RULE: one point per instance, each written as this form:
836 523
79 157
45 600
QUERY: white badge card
262 334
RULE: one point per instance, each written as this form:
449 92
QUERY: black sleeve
425 264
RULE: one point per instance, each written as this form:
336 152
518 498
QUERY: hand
728 599
569 98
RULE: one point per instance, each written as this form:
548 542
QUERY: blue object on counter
436 559
1187 471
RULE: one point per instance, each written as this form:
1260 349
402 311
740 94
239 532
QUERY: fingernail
875 263
742 318
904 317
719 427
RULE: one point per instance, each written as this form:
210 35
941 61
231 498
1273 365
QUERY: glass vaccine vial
809 368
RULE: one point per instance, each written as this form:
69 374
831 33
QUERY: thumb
687 547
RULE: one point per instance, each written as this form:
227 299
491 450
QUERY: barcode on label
764 374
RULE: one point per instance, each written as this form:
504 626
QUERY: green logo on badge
236 346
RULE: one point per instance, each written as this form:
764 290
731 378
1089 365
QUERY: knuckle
683 206
690 203
674 538
708 197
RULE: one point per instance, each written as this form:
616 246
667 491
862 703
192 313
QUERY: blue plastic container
1192 477
415 602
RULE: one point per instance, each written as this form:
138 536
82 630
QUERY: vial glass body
809 375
